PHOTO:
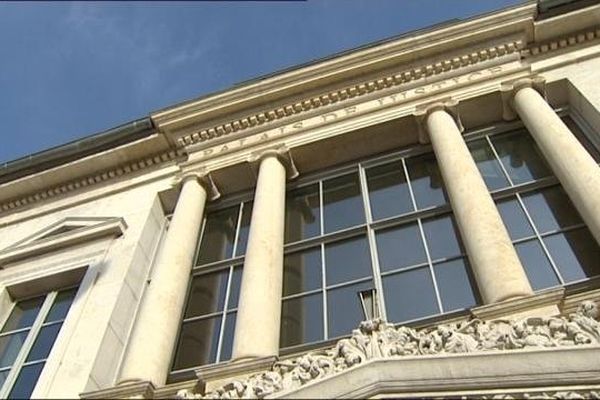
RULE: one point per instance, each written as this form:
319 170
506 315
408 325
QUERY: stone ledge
211 376
540 304
134 390
453 374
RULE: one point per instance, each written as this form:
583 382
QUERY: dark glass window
403 242
552 243
206 334
26 340
342 204
389 193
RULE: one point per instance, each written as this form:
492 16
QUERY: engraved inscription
335 116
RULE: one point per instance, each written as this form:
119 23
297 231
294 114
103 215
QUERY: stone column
154 336
574 167
494 261
259 314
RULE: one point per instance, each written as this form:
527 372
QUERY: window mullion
504 171
430 264
224 317
372 243
27 345
323 266
423 240
539 239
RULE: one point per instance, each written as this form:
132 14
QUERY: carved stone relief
376 339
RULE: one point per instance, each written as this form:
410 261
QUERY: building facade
419 217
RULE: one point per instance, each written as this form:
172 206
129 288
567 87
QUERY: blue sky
69 70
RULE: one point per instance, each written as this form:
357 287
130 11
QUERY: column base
544 304
214 376
125 390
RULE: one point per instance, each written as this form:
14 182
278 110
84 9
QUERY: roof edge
76 149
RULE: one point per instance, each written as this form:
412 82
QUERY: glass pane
400 247
234 291
344 311
409 295
520 157
551 209
218 236
302 219
61 305
442 237
342 204
514 219
488 165
207 293
455 284
301 320
10 346
347 260
23 314
573 127
388 191
302 271
244 229
575 253
227 345
43 343
26 381
426 181
536 264
3 376
198 343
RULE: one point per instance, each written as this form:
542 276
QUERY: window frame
34 331
236 261
370 227
517 191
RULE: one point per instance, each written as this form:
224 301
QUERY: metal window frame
370 227
34 330
516 191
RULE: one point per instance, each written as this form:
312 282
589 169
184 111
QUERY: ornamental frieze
377 339
381 84
203 153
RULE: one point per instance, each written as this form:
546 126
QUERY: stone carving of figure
375 339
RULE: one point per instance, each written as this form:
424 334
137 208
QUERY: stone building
442 186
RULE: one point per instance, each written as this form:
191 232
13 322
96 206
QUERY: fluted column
153 339
494 261
258 321
574 167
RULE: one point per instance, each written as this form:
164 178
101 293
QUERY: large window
553 244
206 334
379 224
27 338
383 224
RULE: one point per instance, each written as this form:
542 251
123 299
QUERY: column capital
282 153
509 89
203 177
423 111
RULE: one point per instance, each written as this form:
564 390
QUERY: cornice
89 180
350 64
559 43
345 94
357 90
111 227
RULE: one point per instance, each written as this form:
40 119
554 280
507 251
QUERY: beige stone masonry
154 336
259 313
574 167
493 259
